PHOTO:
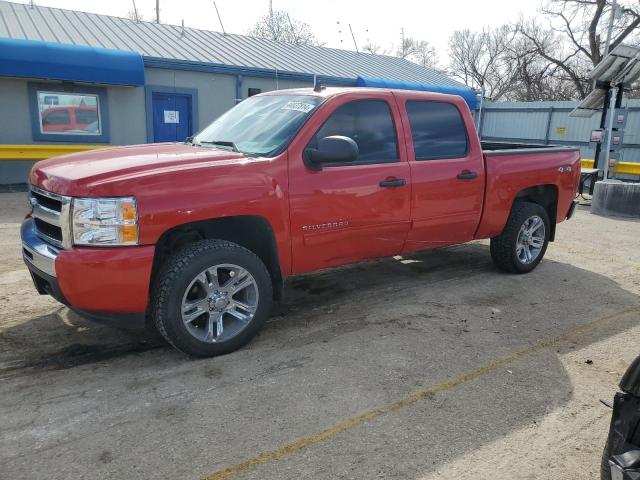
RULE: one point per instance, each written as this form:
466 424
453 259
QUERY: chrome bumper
37 252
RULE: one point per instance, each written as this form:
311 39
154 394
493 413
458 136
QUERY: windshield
259 125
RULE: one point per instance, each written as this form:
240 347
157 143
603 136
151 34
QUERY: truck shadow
324 305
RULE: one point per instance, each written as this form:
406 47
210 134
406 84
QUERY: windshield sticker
299 106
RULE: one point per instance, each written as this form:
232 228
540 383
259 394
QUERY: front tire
523 242
211 297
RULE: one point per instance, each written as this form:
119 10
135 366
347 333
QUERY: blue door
171 117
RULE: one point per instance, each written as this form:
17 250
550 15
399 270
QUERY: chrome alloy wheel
530 239
219 303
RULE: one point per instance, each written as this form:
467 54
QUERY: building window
68 113
253 91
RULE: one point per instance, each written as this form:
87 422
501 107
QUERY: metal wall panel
550 123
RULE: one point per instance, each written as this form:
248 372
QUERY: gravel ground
433 366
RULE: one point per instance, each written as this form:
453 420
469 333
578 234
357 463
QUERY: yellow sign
561 131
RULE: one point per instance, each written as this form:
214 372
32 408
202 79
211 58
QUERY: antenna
354 39
402 41
182 31
135 10
219 18
157 11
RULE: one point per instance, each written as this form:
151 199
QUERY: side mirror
334 149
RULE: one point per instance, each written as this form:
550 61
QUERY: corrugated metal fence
549 123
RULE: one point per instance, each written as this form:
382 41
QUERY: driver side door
350 211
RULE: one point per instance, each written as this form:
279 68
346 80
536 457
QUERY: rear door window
370 124
437 130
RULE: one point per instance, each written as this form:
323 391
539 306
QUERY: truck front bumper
107 284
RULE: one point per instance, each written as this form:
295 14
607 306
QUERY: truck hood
80 173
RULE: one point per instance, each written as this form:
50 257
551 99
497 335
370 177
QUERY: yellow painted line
628 168
415 397
41 151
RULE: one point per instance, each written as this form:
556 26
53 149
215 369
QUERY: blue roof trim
55 61
467 93
155 62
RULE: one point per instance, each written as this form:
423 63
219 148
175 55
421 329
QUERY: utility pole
157 11
614 7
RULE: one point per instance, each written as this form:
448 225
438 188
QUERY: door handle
393 182
467 175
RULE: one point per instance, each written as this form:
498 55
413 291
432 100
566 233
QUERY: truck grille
51 216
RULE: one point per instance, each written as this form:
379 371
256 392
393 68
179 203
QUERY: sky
375 21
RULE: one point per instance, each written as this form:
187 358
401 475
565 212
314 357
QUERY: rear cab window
437 130
370 124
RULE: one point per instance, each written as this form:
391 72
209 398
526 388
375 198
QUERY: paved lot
433 366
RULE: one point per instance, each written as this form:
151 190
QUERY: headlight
104 221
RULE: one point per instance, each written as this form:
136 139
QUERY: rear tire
523 242
211 298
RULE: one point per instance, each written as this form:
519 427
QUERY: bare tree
424 54
375 49
135 15
574 41
417 51
480 60
278 26
406 47
534 77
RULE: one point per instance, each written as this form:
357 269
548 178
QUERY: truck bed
514 167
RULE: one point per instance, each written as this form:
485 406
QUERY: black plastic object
333 149
630 459
467 175
630 382
393 182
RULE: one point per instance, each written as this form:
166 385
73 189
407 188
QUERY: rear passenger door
350 211
447 172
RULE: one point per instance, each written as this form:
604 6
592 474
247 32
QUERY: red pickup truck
198 237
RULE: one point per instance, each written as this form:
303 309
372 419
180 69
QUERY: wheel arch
253 232
546 196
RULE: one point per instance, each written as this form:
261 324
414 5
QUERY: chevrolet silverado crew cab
198 237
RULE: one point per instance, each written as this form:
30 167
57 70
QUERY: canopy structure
467 93
55 61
